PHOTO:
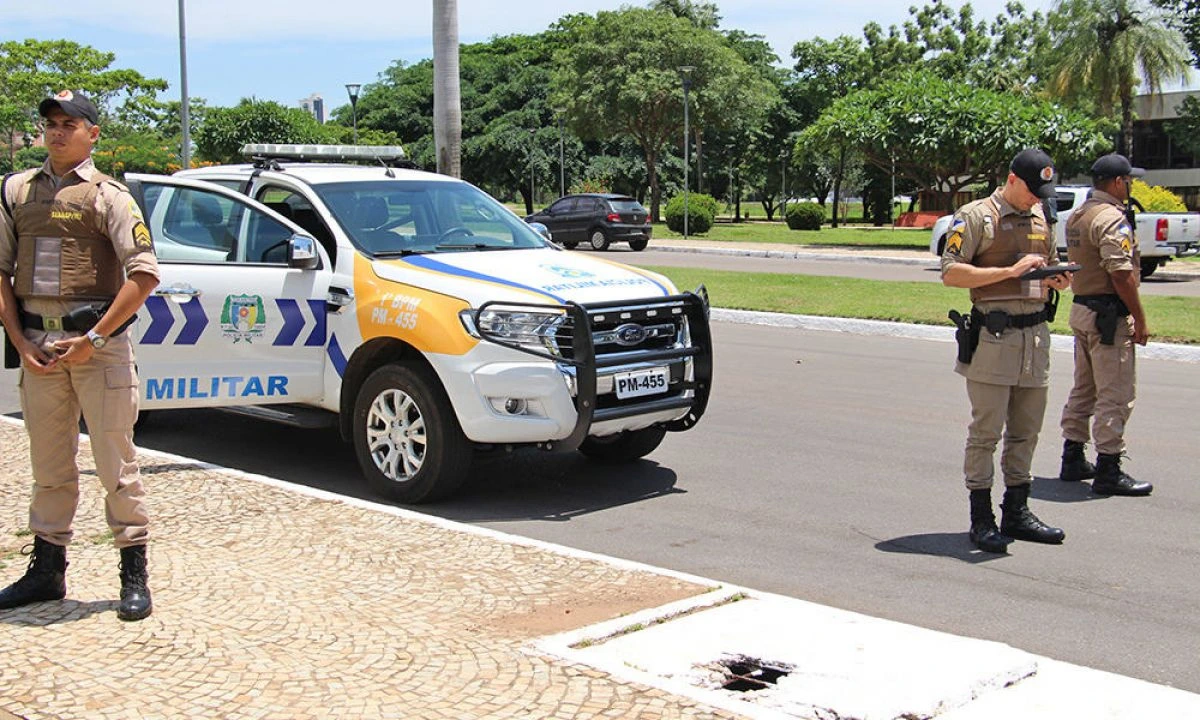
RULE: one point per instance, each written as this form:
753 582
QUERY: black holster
12 359
1109 310
1051 305
966 334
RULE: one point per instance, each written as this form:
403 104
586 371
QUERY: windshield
626 205
399 217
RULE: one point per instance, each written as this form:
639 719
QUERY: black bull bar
692 305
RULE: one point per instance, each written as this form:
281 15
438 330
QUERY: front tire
408 441
623 447
598 240
640 244
570 244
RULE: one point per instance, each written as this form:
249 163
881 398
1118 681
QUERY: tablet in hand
1048 270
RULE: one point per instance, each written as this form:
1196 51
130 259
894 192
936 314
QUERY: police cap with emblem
1036 169
75 104
1115 165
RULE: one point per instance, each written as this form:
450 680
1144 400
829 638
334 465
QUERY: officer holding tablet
994 248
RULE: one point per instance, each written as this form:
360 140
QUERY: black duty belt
79 320
1100 303
997 321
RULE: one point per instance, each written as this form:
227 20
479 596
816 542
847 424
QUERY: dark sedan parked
597 219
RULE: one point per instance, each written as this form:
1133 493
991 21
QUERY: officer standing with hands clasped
76 263
1004 346
1107 319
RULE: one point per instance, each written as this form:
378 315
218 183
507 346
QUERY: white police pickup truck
1160 236
412 311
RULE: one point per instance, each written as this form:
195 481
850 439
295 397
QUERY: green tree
1002 54
504 83
1184 15
944 136
225 130
1105 49
617 75
1186 130
704 15
31 70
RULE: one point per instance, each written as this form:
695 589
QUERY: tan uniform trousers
1105 379
1016 412
1007 384
105 390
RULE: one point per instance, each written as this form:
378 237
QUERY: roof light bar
370 153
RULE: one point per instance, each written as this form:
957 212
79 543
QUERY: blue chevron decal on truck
162 320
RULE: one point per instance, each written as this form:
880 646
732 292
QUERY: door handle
191 292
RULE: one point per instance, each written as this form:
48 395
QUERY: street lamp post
686 72
352 91
185 122
562 167
532 135
783 158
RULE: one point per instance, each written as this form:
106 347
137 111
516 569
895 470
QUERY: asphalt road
828 468
927 272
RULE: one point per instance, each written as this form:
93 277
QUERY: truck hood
544 275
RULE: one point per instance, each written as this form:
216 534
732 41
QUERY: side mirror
542 230
302 252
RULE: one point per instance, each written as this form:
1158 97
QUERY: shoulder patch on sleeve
954 236
141 236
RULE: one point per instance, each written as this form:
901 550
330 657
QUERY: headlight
525 328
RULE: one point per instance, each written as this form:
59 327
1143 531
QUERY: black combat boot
46 578
135 595
1111 480
1075 465
984 533
1018 521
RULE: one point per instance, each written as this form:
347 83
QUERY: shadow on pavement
1051 489
56 612
951 545
526 484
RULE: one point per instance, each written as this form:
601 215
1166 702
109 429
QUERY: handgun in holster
1109 312
1051 305
966 334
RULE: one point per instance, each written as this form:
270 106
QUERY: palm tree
1107 48
447 100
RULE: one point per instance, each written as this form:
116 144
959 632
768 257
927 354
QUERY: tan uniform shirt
1020 356
1108 244
119 216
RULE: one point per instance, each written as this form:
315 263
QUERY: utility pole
686 72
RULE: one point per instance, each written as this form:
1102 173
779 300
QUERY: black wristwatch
96 339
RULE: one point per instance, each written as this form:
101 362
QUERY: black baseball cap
1115 165
75 104
1036 169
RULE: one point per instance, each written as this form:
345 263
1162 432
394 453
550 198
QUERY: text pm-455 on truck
413 311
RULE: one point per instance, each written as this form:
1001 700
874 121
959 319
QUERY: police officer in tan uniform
1107 319
991 244
76 262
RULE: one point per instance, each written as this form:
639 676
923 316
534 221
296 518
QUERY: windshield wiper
472 246
397 253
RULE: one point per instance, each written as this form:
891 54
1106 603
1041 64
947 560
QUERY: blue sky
285 50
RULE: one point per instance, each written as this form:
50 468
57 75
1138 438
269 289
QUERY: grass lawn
776 232
1172 318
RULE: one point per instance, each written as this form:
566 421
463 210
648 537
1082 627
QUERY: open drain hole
748 674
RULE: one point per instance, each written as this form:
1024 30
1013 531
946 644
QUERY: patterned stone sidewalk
270 603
